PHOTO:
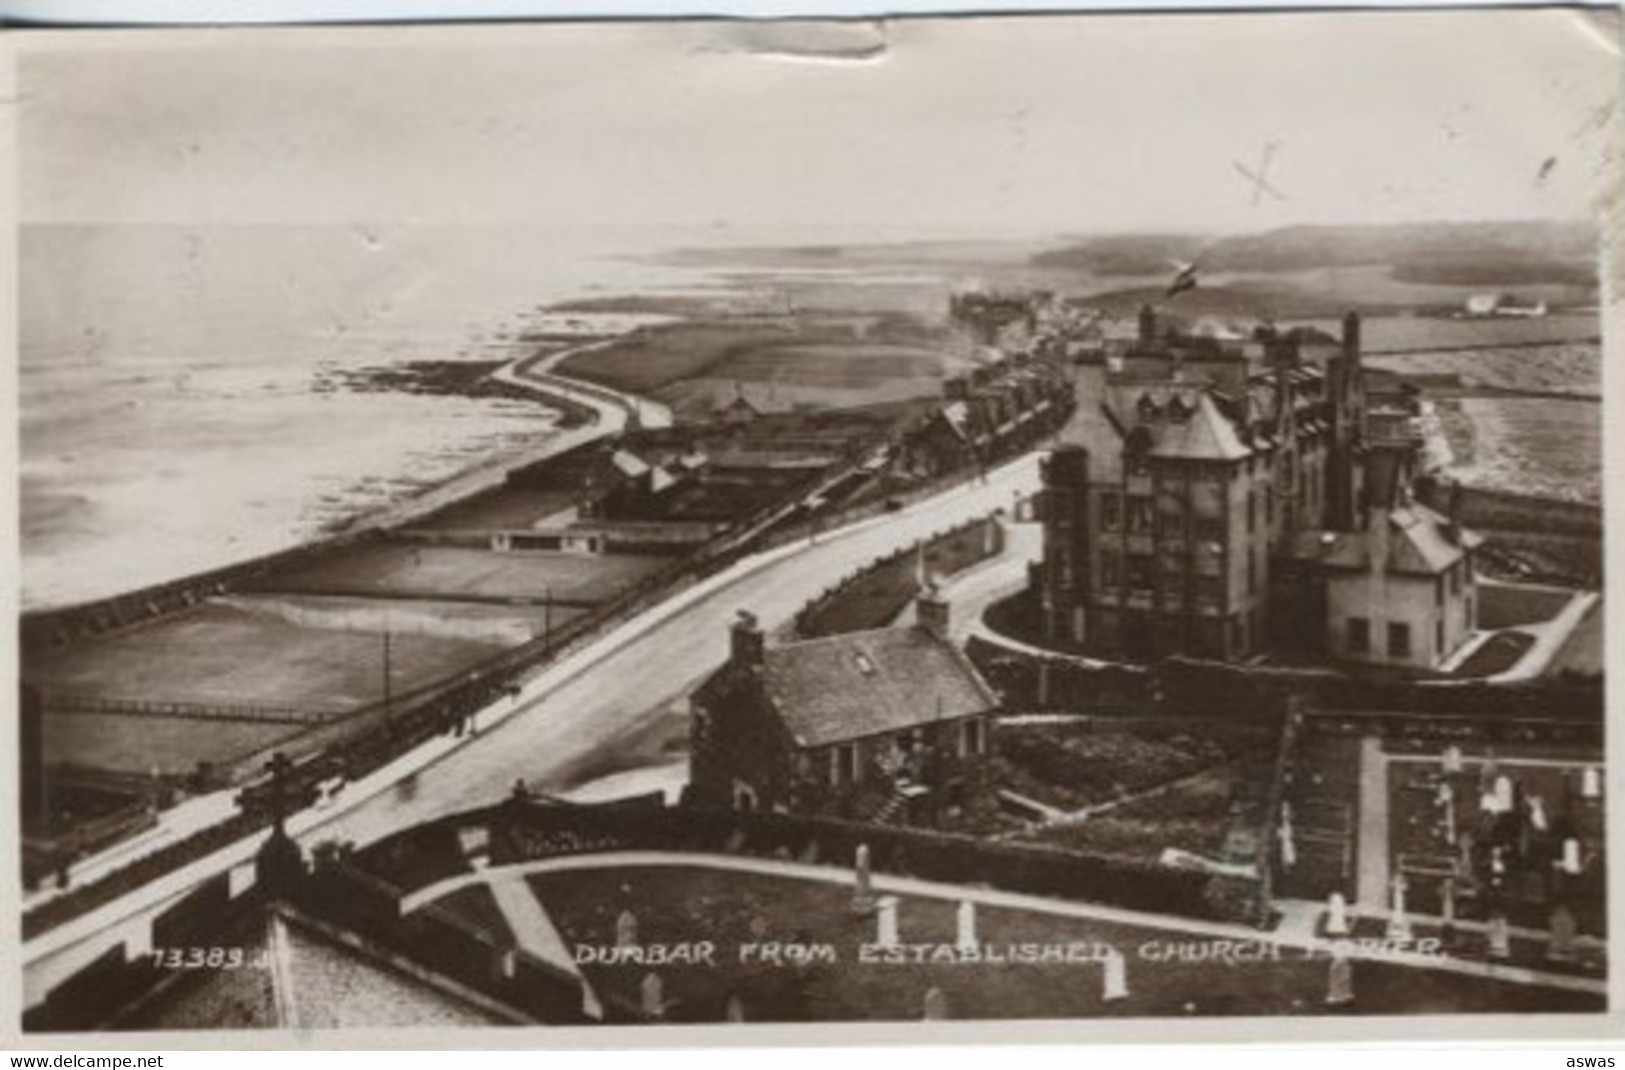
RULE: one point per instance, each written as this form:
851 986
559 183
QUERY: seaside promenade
569 710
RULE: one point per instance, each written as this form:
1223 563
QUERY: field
172 745
730 909
506 509
216 653
777 364
455 573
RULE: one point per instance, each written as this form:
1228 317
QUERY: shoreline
606 413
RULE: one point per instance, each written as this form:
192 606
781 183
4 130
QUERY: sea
178 406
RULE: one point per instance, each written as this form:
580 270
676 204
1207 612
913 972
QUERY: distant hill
1466 254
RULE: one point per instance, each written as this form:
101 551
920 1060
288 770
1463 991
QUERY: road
563 714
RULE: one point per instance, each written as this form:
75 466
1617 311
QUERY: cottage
890 725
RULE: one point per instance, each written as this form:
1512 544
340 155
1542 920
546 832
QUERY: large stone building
1227 497
889 725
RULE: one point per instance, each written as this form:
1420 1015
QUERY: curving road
565 713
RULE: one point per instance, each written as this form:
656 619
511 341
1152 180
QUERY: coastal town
623 531
1148 645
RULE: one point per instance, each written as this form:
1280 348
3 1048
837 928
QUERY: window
1359 635
1438 637
1111 570
1252 574
1207 529
1252 509
1208 592
1438 591
1111 512
1139 571
1171 511
1140 519
843 764
1269 505
1399 640
1455 578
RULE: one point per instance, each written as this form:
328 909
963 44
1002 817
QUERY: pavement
567 711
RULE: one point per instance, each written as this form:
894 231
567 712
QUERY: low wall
522 831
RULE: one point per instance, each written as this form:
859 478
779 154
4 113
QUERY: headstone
1537 814
626 929
1337 915
1487 802
1114 983
935 1005
966 935
1571 856
1340 980
1563 930
1590 783
1443 794
735 1011
1450 820
1452 760
1500 937
863 896
652 996
758 927
1503 794
886 921
1498 865
1289 849
1464 841
1399 923
1447 900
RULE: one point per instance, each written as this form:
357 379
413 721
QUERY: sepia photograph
633 524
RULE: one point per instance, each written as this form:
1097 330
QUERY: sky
1018 126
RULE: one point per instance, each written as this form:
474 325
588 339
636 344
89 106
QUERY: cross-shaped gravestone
735 1011
1399 922
1590 783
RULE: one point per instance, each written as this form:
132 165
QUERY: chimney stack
1148 324
931 611
749 644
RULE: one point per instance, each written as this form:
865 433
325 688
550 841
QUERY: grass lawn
455 572
1511 605
734 909
1072 764
1496 654
877 596
225 654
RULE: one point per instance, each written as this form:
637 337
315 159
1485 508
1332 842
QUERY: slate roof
1419 544
845 687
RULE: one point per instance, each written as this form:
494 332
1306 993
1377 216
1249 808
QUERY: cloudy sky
1019 125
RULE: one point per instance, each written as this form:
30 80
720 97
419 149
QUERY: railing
72 702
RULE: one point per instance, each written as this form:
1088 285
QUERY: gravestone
1399 923
886 921
1114 979
1337 915
1289 850
935 1005
1590 783
1500 937
1503 794
626 929
735 1010
1563 931
1447 899
1340 980
1451 762
1450 819
1571 856
863 896
1537 814
652 996
965 937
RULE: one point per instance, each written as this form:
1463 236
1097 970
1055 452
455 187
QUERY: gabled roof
1419 544
845 687
1204 435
